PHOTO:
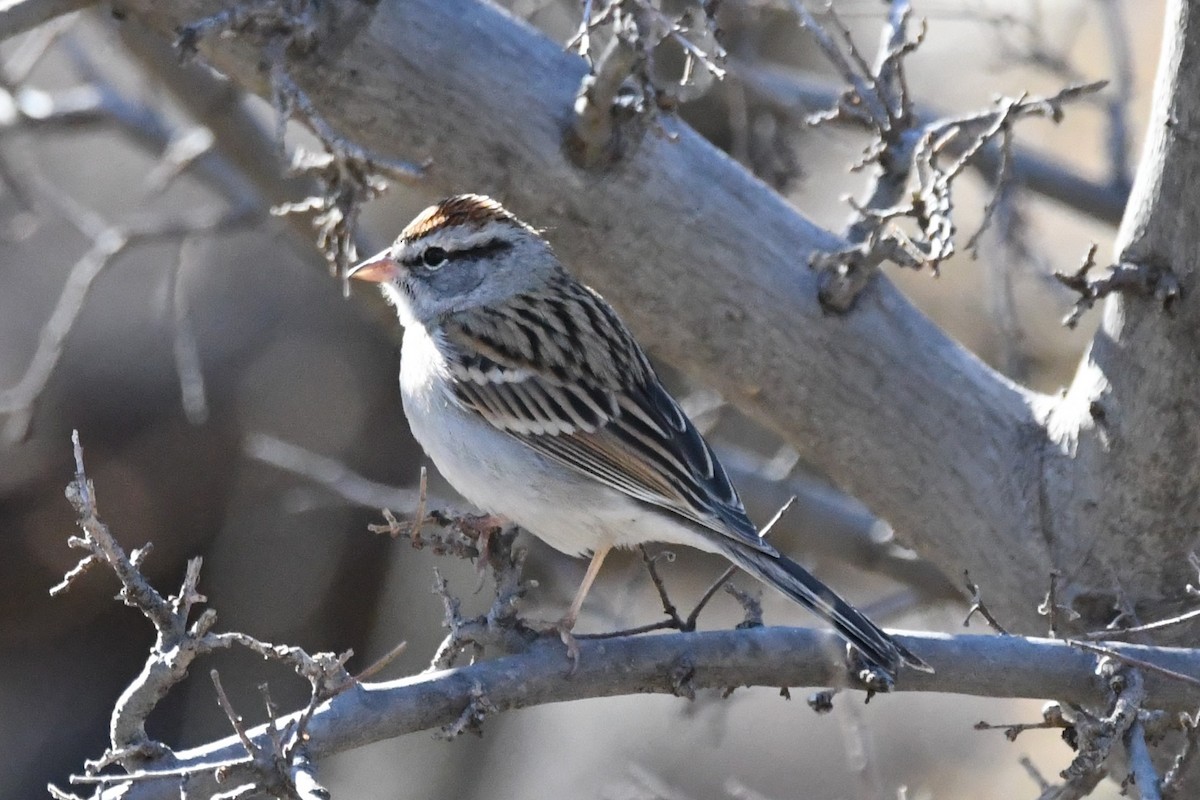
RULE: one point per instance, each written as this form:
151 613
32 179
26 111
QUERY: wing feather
607 417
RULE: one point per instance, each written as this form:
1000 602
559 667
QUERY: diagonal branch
630 231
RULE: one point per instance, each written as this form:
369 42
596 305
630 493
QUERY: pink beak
379 268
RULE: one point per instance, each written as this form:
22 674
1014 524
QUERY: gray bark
709 266
986 666
1122 498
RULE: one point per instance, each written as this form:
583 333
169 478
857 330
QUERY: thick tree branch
893 409
972 470
987 666
800 95
1121 502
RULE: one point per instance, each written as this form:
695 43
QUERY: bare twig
1050 608
1185 757
381 663
620 93
978 607
1153 280
799 95
329 473
185 349
724 577
500 627
346 173
177 643
1095 737
281 766
1117 633
601 112
751 603
1052 717
906 152
651 563
673 621
705 598
235 719
1135 662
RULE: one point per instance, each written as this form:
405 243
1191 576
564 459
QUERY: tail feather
798 584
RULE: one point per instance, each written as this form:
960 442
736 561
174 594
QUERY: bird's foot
482 528
562 629
572 645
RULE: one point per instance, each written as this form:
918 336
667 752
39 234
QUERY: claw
572 647
562 629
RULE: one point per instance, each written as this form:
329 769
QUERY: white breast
500 475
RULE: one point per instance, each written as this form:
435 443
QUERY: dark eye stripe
478 251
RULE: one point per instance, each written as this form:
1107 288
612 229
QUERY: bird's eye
434 257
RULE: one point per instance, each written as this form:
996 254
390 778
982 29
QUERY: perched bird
535 402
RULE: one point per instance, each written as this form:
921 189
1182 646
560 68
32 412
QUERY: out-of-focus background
195 358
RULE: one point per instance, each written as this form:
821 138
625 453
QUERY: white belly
500 475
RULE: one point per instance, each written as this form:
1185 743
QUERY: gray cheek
451 285
461 281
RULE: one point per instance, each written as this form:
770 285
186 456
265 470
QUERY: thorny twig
499 627
348 175
283 769
176 647
1186 755
751 603
1146 280
1050 608
620 91
978 606
1096 738
912 182
1052 717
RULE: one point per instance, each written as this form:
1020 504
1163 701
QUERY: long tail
798 584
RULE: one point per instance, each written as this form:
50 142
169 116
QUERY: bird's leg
567 623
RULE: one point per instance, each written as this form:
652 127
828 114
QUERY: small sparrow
535 402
